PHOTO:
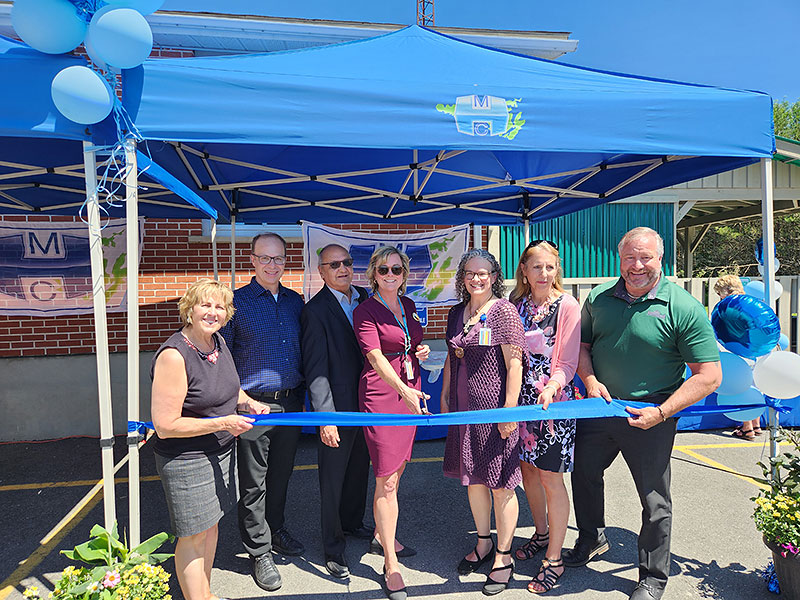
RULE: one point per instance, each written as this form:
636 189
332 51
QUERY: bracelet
661 412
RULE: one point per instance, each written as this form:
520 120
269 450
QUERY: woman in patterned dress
484 370
551 320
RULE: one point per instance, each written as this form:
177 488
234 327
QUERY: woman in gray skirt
194 377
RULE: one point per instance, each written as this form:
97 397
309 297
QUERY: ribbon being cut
586 408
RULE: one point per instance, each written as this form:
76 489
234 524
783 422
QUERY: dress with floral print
548 445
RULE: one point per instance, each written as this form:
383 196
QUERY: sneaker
585 551
284 543
265 573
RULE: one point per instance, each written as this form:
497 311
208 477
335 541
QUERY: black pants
265 457
647 454
343 480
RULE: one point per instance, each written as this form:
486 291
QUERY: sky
741 44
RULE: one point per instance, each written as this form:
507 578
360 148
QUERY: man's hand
595 389
329 434
644 418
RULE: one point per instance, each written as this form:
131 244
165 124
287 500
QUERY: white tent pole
101 334
477 236
214 249
132 250
233 251
526 232
768 255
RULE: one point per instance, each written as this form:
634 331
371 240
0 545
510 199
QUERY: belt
267 396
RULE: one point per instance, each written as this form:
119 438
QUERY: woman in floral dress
551 320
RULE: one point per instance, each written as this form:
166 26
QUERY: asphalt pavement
716 551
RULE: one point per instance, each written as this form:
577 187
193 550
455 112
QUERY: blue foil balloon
145 7
745 326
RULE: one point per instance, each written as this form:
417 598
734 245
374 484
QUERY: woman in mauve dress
390 335
483 370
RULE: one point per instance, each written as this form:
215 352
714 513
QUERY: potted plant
114 572
777 513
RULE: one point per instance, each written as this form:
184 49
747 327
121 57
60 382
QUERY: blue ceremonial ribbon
586 408
777 405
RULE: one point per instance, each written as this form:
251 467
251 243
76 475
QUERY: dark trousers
343 480
265 457
647 454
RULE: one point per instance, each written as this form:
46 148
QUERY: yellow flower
31 592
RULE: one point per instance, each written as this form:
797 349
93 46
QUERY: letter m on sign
50 248
481 102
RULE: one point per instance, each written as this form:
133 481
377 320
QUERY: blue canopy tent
48 166
417 127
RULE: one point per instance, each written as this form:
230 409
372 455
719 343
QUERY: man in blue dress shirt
264 338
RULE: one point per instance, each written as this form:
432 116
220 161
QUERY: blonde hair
523 287
728 285
202 290
379 257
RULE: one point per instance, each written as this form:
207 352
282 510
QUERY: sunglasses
335 264
384 270
537 242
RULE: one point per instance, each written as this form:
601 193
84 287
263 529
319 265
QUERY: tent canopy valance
417 127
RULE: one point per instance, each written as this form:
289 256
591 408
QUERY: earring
524 279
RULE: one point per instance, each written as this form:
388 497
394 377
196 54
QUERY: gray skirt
199 490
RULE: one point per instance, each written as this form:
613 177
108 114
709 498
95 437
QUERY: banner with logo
45 268
433 256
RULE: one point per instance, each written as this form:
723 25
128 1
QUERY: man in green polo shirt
636 335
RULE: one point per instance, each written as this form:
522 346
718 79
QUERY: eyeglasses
537 242
335 264
482 275
396 270
265 260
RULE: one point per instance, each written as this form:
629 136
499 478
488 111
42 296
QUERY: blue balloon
145 7
750 396
755 289
736 374
121 37
687 373
745 326
50 26
82 95
783 341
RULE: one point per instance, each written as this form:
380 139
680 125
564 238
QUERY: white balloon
761 267
778 375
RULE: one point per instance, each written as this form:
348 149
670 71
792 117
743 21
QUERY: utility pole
425 16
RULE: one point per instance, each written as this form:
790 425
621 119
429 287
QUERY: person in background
637 335
389 332
729 285
264 338
551 320
483 370
194 378
332 363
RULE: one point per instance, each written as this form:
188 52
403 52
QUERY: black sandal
533 546
547 576
466 566
492 587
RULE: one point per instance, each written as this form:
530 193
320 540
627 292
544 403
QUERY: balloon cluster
749 331
114 33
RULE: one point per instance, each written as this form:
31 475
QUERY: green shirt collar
658 291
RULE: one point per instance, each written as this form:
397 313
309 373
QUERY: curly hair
522 287
379 257
497 285
201 290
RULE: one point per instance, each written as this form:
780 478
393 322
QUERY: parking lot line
718 465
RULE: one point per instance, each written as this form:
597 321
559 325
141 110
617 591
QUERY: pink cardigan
566 349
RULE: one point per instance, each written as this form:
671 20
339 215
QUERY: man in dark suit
332 363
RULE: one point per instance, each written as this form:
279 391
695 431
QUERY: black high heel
466 566
492 587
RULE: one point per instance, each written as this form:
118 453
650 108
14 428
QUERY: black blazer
332 359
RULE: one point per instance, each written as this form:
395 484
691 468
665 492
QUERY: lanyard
403 325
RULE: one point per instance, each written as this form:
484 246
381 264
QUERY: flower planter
787 570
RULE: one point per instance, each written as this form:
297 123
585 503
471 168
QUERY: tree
787 119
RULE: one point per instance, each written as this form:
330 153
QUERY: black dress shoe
399 594
376 548
360 533
337 566
584 551
265 573
645 591
284 543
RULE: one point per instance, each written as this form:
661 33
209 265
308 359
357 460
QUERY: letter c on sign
38 290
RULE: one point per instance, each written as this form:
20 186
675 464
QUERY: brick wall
170 263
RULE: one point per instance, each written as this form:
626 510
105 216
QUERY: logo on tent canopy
485 115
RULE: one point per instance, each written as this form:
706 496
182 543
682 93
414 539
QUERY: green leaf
155 559
152 544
